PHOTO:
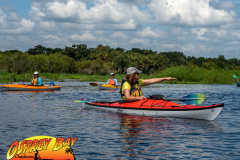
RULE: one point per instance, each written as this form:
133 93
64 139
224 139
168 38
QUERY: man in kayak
112 80
131 85
36 81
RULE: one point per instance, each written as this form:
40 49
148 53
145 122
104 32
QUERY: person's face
136 76
35 75
112 76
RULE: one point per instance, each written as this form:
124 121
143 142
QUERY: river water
106 135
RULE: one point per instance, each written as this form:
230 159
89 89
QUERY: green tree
37 50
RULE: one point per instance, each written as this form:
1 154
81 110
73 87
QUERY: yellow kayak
107 87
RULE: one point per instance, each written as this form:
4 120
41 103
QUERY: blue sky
200 28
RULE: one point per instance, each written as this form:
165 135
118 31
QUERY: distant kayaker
112 80
36 81
131 85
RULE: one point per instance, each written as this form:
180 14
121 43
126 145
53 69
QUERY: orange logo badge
42 147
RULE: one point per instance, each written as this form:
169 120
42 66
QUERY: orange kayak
23 87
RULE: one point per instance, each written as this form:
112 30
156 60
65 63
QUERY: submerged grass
184 75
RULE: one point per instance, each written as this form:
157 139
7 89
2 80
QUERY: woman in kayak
112 80
36 81
131 85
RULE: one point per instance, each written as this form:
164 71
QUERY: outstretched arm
156 80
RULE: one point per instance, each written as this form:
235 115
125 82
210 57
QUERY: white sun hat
131 70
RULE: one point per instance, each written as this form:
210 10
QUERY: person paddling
112 80
36 80
131 85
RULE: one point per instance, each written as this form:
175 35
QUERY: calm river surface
106 135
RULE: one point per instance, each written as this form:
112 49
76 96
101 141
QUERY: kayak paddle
191 99
94 84
234 76
84 101
79 101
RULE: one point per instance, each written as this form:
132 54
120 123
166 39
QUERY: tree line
103 60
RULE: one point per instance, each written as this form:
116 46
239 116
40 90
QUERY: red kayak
161 108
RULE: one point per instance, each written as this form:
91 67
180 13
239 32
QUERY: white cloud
189 48
189 12
176 31
106 14
142 2
36 13
72 10
194 27
85 37
119 36
200 33
233 43
169 46
236 33
13 17
141 41
14 25
148 32
48 26
3 17
219 33
226 5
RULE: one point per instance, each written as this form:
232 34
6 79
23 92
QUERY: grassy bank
184 74
6 77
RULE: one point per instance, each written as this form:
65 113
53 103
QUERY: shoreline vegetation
183 74
95 64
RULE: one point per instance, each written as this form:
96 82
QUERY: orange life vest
34 81
112 82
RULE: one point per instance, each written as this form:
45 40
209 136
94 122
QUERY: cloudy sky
200 28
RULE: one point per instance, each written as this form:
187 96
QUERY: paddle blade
94 84
234 76
80 101
193 99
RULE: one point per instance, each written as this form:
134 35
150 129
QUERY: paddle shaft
192 99
179 99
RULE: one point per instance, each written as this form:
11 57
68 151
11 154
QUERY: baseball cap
111 74
35 72
131 70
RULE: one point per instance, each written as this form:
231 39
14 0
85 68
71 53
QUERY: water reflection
139 133
107 135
